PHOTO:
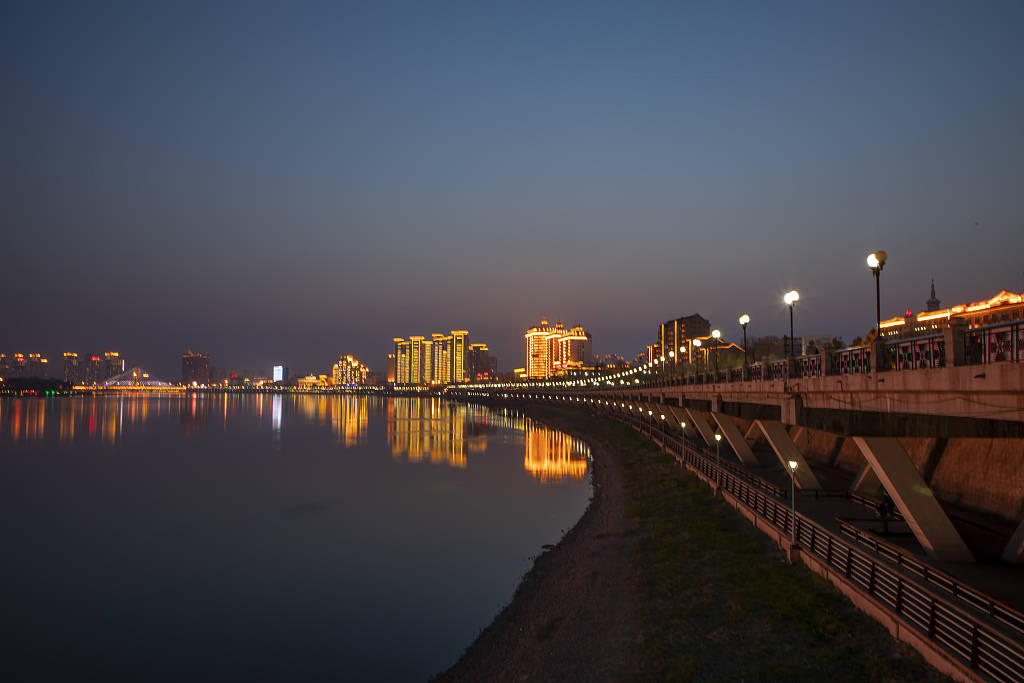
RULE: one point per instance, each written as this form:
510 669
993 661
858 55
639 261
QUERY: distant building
555 350
390 371
195 369
1004 307
113 364
932 304
673 334
438 360
482 365
93 370
349 372
73 369
280 373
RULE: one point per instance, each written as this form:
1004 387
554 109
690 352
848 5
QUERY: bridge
905 458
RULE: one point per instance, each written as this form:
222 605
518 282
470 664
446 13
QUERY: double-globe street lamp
876 261
791 297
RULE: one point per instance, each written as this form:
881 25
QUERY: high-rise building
73 368
349 372
38 365
482 365
438 360
389 376
93 372
555 350
195 369
113 364
280 373
459 355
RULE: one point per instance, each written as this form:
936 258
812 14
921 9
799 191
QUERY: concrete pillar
732 434
716 403
827 351
786 450
915 500
791 410
954 336
1014 551
702 426
879 357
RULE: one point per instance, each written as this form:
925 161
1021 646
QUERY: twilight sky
284 182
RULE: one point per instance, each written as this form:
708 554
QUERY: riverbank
660 580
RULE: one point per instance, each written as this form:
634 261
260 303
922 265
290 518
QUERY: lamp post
792 477
718 461
744 321
791 298
716 335
876 261
650 423
664 444
696 344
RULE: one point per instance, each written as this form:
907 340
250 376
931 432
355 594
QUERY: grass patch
717 599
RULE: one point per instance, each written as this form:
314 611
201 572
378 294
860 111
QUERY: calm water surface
263 537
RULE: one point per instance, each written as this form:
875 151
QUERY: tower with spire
933 304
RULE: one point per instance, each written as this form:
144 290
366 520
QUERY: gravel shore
573 617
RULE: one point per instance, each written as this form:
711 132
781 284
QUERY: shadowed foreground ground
661 581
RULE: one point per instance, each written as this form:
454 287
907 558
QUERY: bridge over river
895 470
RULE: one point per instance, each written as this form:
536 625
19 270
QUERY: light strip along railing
967 639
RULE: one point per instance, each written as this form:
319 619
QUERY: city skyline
269 187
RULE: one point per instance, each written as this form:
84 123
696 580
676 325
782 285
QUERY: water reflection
418 430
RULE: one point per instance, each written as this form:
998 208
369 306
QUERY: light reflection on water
418 430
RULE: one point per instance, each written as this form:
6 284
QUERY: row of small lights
875 260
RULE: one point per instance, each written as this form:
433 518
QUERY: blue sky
293 181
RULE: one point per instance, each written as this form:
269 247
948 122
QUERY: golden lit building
1004 307
438 360
555 350
349 372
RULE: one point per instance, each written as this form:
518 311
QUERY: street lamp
744 321
791 298
876 261
716 334
696 343
792 477
718 460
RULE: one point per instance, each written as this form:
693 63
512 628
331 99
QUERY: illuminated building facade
1004 307
438 360
195 369
349 372
555 350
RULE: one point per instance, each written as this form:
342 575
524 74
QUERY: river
267 537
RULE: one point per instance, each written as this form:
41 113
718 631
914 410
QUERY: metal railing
916 353
995 343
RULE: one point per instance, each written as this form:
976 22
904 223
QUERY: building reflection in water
418 429
442 432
